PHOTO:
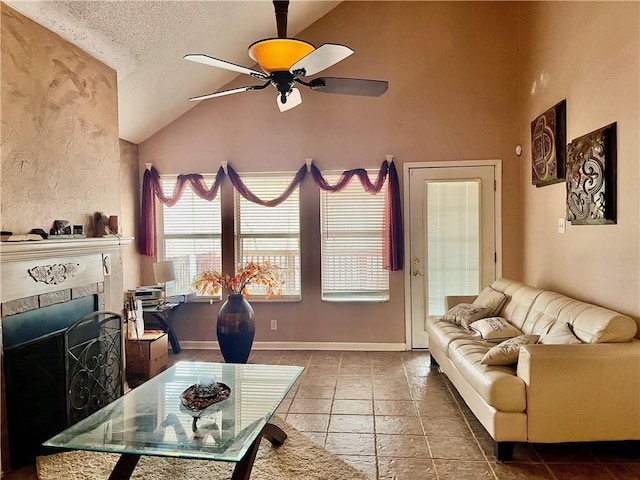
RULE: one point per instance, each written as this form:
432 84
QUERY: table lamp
163 273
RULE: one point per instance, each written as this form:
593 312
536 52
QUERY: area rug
298 458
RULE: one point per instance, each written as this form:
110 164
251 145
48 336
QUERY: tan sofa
555 393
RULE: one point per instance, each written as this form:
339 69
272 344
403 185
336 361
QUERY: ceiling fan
286 61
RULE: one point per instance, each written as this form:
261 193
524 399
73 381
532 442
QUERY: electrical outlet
274 324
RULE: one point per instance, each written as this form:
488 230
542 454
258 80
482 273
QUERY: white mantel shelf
29 250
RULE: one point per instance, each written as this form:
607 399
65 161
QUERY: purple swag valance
393 231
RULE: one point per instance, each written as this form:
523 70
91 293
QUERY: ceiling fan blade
293 100
216 62
350 86
222 93
324 56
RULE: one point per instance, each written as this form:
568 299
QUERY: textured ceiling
145 40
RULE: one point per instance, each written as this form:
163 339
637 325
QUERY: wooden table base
242 471
272 433
125 466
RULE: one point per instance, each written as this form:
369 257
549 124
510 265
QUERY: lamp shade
164 272
279 54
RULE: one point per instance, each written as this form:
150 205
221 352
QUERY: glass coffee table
176 414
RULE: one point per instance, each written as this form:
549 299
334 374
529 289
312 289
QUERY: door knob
416 273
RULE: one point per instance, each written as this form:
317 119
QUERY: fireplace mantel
30 250
92 260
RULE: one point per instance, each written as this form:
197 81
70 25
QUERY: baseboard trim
346 346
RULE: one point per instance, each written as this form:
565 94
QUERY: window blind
453 240
352 246
190 235
270 233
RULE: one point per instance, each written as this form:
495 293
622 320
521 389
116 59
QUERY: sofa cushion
590 323
499 386
492 299
520 297
593 324
494 329
464 314
544 312
442 333
559 334
506 353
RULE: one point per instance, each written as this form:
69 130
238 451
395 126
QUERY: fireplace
62 343
55 380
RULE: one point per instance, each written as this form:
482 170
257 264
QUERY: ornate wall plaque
591 178
548 150
54 274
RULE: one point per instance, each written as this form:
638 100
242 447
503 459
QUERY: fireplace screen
57 380
93 364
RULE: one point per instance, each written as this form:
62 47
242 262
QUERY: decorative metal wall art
548 146
591 178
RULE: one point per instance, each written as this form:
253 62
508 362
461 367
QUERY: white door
454 216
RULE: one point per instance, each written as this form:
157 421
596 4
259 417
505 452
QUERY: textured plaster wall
589 54
59 130
452 96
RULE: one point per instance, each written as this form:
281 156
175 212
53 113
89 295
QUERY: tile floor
393 416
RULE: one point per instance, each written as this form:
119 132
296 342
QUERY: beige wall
589 54
59 130
130 194
451 97
458 90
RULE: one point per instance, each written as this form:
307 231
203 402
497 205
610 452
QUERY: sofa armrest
582 392
453 300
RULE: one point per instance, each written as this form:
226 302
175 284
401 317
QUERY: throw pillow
494 329
492 299
506 353
559 334
464 314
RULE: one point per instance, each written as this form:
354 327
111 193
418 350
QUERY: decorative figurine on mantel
62 229
101 226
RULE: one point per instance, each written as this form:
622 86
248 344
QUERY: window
352 246
189 233
270 233
453 240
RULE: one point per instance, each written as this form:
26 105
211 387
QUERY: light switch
562 225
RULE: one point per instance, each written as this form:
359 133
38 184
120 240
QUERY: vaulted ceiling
145 40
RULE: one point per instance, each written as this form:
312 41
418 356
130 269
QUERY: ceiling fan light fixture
289 61
278 54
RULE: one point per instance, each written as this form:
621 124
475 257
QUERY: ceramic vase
236 328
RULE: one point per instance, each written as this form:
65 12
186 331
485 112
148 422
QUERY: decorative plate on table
198 398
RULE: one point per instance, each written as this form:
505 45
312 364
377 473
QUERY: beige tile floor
393 416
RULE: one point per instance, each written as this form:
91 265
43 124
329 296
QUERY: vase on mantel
236 328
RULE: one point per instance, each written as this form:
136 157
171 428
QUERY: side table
162 314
